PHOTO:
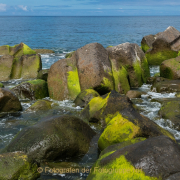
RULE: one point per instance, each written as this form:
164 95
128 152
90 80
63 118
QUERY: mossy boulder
134 94
6 63
69 55
43 51
35 89
1 85
170 68
43 74
156 158
85 96
94 68
53 138
4 50
147 42
123 121
63 80
165 85
8 101
40 105
20 62
170 110
129 65
15 165
88 67
165 46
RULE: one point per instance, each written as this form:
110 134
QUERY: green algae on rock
170 68
35 89
20 62
143 161
114 105
43 51
15 165
129 66
43 74
165 46
147 42
69 55
1 85
84 97
40 105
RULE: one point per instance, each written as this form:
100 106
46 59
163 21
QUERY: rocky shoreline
100 82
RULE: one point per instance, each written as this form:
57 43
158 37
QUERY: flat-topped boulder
129 66
53 138
9 101
165 46
152 159
19 62
147 42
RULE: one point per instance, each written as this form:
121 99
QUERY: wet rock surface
53 138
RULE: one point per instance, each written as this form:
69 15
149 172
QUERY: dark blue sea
65 34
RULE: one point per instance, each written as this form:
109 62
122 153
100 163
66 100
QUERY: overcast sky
89 7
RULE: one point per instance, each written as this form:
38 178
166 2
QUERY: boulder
15 165
88 67
63 80
20 62
165 46
40 105
35 89
134 94
6 63
147 42
170 110
53 138
1 85
165 85
152 159
43 74
8 101
94 68
4 50
121 120
43 51
84 97
129 66
170 68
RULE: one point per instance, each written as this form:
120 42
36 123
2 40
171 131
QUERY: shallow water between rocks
12 123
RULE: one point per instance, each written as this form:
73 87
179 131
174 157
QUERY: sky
89 7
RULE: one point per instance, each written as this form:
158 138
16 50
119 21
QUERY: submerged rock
53 138
15 165
85 96
170 68
35 89
165 85
43 51
134 94
153 159
165 46
19 61
8 101
43 74
40 105
129 66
